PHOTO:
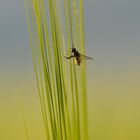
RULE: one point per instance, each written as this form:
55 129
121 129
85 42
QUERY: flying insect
79 58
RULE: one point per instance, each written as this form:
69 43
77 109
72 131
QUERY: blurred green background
112 31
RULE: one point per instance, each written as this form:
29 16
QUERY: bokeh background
112 31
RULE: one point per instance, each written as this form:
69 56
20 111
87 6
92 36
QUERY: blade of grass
20 102
83 75
50 70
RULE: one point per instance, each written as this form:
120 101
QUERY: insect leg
69 57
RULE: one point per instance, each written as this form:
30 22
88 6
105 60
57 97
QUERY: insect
78 56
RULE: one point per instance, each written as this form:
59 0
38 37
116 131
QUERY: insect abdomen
78 60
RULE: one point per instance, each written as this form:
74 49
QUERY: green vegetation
54 27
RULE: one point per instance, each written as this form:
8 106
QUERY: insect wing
84 57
